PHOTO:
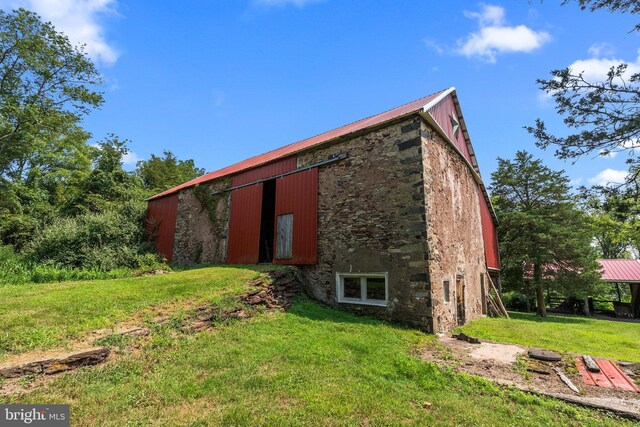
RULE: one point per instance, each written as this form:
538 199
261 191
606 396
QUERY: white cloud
596 69
631 143
77 19
598 50
496 37
297 3
609 176
130 159
489 16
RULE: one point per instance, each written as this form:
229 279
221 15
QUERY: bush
96 241
15 269
514 300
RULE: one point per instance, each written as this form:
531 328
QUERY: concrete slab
499 353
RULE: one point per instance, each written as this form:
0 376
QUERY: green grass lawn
40 316
310 366
616 340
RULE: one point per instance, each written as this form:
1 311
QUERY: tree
604 113
46 86
161 173
622 6
614 213
541 227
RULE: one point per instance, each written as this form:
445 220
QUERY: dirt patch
509 365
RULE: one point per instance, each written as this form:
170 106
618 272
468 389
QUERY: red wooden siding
161 223
244 229
489 234
298 194
272 169
441 113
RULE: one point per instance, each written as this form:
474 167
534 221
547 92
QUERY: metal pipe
335 158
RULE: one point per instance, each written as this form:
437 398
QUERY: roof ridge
336 128
283 148
361 120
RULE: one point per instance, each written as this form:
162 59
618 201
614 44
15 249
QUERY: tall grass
14 269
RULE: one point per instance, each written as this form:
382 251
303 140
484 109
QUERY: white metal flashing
438 99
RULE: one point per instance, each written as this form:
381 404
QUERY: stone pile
273 291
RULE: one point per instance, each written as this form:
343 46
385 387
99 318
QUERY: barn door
296 222
244 227
460 308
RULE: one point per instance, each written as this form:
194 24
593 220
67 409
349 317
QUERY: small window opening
363 288
445 290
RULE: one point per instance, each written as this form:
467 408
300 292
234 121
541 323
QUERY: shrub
96 241
514 300
15 269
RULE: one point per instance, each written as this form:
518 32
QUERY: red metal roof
290 149
620 270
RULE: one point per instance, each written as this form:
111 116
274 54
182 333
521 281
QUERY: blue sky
220 81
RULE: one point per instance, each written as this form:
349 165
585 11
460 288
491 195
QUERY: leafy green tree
621 6
107 185
161 173
614 213
103 226
603 115
541 227
46 86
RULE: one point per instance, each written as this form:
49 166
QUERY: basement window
363 288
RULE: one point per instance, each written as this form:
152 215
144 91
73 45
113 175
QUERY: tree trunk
585 309
537 280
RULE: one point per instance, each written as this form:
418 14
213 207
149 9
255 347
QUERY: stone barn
386 216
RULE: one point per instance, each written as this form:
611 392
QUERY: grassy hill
309 366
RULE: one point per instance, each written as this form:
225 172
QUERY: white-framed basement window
363 288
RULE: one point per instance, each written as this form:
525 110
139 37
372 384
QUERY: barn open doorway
267 228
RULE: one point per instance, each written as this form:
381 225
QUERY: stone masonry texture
402 202
454 231
197 238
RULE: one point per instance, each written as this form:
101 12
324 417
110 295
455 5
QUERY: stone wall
403 202
454 231
198 238
371 219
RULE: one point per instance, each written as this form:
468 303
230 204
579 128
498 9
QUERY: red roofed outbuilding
387 215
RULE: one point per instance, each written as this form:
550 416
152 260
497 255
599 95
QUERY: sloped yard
611 339
309 366
42 316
